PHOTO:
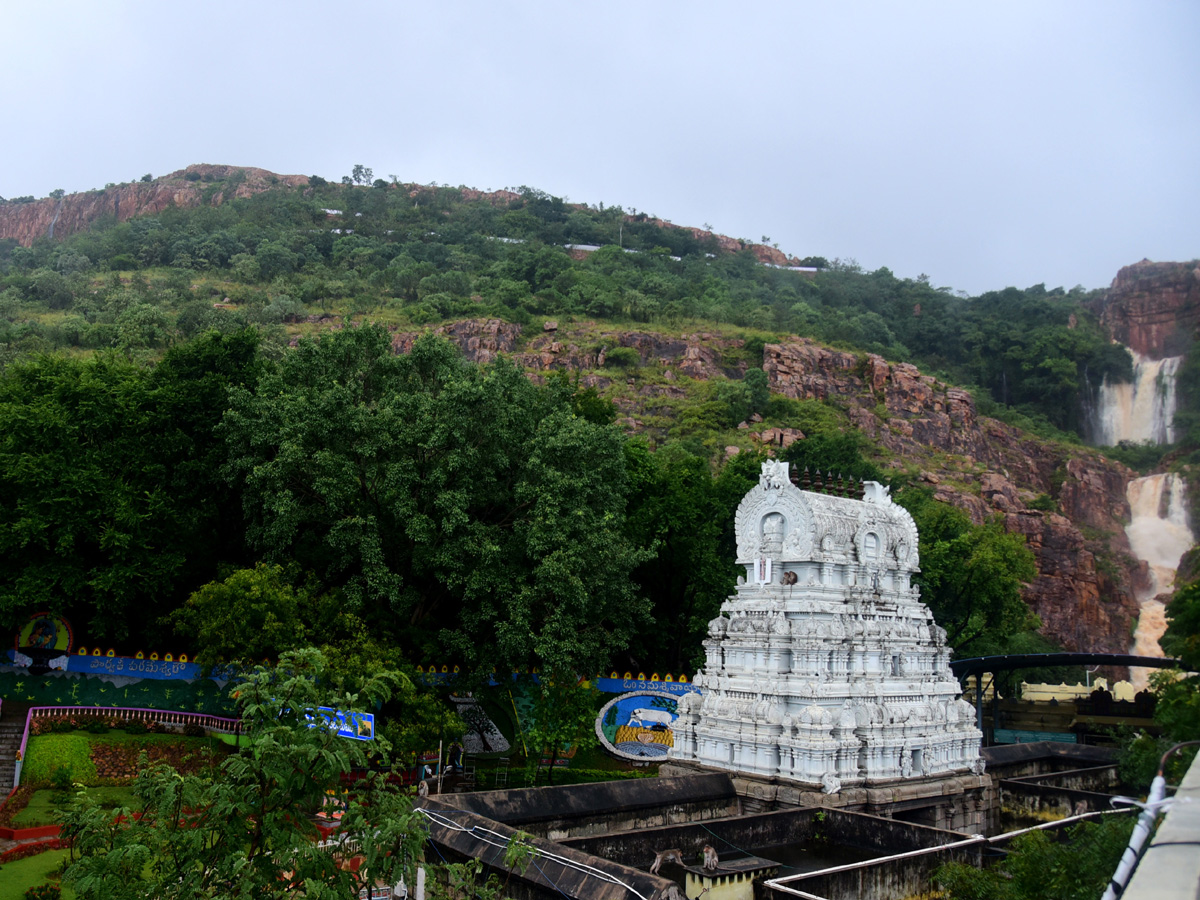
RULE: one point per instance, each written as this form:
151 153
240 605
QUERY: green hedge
47 753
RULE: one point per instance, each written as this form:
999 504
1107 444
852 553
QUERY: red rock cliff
26 222
1154 308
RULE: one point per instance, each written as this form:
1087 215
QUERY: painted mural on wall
45 632
637 725
55 688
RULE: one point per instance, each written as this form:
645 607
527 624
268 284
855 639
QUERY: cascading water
1142 409
1158 533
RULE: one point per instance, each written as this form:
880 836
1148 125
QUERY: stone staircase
10 742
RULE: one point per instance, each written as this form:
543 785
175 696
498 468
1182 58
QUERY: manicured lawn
43 803
17 877
73 751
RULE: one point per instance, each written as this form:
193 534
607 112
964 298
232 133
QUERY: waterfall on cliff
1141 410
1159 534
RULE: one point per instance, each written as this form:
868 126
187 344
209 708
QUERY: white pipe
1141 831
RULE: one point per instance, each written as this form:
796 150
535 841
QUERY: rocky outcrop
1153 308
481 340
27 222
1083 592
695 355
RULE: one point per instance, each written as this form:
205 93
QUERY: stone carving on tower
824 667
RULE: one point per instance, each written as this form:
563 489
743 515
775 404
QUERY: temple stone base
965 802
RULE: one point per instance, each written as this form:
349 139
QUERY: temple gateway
825 671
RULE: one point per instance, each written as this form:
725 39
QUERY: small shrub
622 358
132 727
1043 502
97 726
43 892
60 779
62 726
191 729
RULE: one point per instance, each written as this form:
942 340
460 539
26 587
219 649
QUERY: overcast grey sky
985 144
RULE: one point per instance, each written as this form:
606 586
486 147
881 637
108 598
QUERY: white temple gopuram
825 668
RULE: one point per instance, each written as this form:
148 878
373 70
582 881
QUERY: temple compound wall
824 672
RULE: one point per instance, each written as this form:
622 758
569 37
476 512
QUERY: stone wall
752 833
580 810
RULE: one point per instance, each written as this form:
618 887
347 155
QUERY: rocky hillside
200 184
1084 590
1067 500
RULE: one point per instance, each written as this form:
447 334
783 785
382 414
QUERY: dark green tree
971 575
112 507
456 507
679 512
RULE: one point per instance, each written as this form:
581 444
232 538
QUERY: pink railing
220 724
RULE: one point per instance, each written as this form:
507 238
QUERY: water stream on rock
1141 410
1158 533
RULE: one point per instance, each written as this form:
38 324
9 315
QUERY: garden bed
91 759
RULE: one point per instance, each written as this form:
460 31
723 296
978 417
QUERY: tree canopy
971 575
456 507
111 502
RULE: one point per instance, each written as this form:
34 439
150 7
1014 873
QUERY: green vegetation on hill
401 254
419 508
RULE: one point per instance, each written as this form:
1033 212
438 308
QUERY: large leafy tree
457 508
684 516
243 831
111 504
971 575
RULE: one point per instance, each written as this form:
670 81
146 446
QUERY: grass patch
17 877
48 753
44 803
72 752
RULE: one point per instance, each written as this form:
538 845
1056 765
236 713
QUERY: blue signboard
638 725
624 685
354 725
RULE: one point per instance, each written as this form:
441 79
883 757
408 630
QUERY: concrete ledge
1081 754
557 871
1170 865
526 806
792 826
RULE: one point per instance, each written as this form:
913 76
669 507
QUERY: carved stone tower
825 668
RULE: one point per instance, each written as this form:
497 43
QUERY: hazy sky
985 144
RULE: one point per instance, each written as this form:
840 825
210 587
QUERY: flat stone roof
539 804
741 866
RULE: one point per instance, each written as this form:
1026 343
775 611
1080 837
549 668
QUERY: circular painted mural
637 725
45 632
